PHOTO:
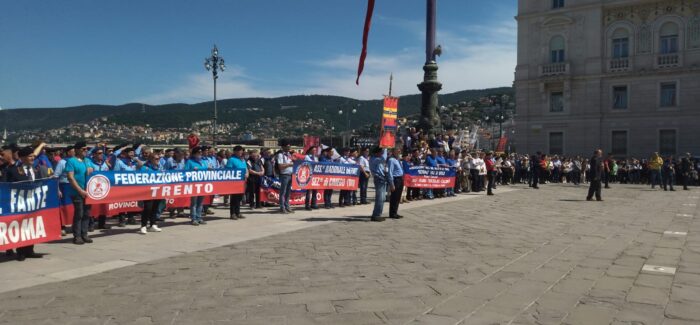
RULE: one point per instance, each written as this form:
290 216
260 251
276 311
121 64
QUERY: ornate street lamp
214 64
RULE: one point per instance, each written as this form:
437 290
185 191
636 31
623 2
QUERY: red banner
29 213
108 187
114 209
311 141
389 122
272 195
502 144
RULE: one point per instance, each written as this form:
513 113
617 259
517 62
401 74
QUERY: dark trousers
667 179
491 180
576 177
475 179
150 211
252 191
327 196
81 216
25 250
395 198
535 177
310 201
344 198
606 177
594 189
364 182
235 207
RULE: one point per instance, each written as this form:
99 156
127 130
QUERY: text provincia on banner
308 175
29 213
111 186
429 177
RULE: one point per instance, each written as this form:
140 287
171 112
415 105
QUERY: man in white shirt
363 161
285 167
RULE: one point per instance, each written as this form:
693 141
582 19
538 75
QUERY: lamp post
347 117
214 63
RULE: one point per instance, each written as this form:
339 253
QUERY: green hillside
243 110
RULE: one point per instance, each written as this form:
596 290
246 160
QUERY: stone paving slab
521 257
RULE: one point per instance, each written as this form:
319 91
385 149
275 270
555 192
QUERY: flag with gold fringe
389 122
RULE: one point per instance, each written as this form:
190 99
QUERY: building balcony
619 65
555 69
672 60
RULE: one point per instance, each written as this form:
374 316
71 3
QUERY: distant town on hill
243 118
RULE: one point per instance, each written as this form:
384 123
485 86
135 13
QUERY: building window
668 94
556 102
557 48
619 143
667 142
556 4
620 97
556 143
620 44
668 38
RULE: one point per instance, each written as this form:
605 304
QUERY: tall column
430 119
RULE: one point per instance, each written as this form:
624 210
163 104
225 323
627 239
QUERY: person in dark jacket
25 171
596 174
686 169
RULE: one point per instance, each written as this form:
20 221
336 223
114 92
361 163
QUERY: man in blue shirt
377 166
327 157
98 164
237 162
395 183
78 169
196 163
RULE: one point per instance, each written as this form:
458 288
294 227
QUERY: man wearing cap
327 157
78 169
285 166
25 171
196 163
237 162
98 164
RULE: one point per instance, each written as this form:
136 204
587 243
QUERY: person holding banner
196 163
395 183
255 172
327 156
127 161
377 166
285 167
310 199
151 208
236 161
344 197
98 164
25 172
78 169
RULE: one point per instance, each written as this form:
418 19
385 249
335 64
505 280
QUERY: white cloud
476 57
200 87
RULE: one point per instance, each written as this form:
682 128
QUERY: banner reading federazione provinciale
325 176
105 187
29 213
429 177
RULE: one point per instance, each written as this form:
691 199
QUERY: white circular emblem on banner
98 187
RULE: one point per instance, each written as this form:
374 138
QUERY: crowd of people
475 171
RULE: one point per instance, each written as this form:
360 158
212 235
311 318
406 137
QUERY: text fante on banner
106 187
29 213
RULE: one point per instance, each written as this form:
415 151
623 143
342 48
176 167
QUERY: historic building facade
621 75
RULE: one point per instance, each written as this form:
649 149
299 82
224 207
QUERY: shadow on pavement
349 219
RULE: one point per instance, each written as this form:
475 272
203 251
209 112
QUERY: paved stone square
522 257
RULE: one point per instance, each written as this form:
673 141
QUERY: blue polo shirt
430 161
193 164
79 169
236 163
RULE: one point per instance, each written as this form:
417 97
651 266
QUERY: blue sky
64 53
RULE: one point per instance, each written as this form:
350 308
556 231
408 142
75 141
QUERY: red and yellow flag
389 125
